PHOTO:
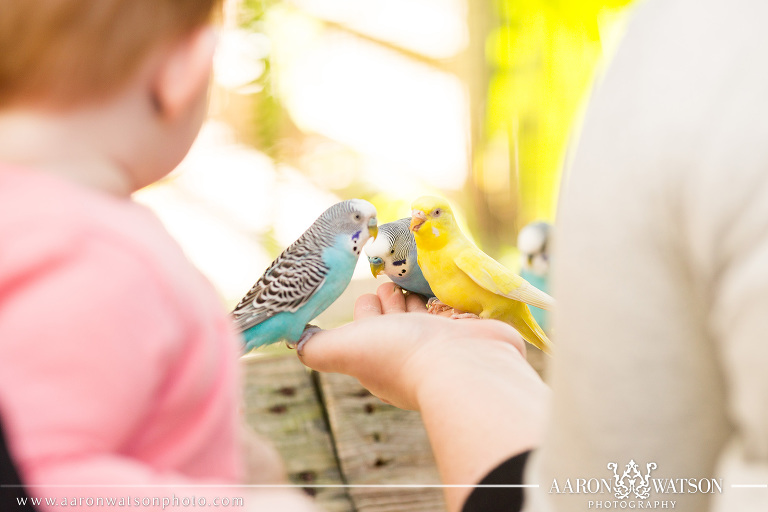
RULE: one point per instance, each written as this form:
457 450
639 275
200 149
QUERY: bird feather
496 278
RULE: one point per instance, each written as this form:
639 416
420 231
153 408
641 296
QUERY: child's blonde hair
61 52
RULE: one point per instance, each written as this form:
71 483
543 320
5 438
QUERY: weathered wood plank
281 404
380 444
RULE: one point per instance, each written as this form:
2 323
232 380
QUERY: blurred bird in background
534 244
465 278
394 254
306 278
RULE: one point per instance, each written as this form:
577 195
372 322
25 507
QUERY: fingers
415 303
392 298
389 299
366 306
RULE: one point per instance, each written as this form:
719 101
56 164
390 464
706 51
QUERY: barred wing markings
286 285
401 230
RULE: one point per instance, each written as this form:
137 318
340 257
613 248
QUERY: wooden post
380 444
281 403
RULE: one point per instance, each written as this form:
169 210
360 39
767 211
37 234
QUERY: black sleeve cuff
500 499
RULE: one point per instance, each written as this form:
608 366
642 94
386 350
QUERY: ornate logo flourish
632 481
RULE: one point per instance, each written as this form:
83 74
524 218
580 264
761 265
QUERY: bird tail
532 333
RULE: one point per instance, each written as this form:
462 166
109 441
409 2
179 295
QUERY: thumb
370 344
333 350
330 350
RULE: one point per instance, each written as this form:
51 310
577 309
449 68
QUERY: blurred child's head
62 52
130 76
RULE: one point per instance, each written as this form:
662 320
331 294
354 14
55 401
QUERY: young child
117 363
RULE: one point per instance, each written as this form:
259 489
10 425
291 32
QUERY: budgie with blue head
307 277
534 244
394 254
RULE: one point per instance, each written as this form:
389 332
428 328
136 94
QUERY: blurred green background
315 101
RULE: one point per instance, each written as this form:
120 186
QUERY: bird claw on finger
309 331
459 314
435 306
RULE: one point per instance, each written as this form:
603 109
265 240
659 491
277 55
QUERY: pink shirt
117 362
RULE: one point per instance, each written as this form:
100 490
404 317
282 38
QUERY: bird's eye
392 251
437 212
357 216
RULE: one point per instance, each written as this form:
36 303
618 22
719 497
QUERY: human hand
480 400
397 356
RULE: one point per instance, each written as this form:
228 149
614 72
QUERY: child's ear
184 73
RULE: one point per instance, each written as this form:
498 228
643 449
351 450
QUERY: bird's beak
377 266
373 229
418 218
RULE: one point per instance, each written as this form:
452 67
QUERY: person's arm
500 490
480 401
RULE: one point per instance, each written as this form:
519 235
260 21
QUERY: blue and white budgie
307 277
533 242
394 254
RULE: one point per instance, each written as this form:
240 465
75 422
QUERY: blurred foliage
267 110
543 55
529 69
251 13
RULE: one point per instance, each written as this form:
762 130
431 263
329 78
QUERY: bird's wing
286 285
498 279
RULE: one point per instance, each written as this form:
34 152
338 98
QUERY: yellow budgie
465 278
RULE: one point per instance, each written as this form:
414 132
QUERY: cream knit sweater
662 271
